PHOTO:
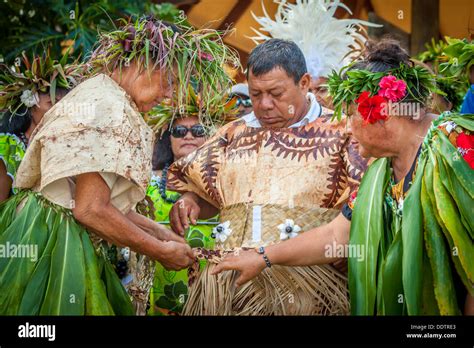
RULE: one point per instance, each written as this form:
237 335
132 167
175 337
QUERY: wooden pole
424 24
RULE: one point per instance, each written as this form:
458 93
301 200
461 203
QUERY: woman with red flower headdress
408 233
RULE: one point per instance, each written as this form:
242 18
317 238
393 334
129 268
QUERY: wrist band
261 251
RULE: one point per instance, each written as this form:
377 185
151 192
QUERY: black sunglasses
197 131
244 102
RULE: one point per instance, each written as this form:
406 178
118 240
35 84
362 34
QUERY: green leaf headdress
20 84
197 57
347 85
217 113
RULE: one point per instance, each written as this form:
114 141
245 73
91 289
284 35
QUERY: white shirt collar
313 113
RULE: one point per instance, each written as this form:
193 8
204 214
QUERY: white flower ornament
222 231
125 253
288 229
29 98
450 126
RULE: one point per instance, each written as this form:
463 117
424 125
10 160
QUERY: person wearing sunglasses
87 167
240 92
184 136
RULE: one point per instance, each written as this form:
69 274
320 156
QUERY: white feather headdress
327 42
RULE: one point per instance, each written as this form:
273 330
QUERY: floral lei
373 91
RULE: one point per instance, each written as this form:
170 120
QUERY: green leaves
447 201
174 298
450 219
437 252
96 295
391 279
34 292
367 227
412 238
65 294
60 24
26 231
116 294
67 278
461 57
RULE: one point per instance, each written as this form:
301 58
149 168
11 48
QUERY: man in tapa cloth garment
281 170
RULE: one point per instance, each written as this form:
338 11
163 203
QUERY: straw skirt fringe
280 290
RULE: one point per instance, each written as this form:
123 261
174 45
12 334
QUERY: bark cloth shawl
258 178
94 128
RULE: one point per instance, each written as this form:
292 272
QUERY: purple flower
206 56
127 45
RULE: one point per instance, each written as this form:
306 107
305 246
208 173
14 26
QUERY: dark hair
162 153
277 53
17 123
383 55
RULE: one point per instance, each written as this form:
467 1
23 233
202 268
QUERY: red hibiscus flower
371 108
391 88
465 144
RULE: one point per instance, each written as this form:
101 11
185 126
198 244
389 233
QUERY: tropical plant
453 84
35 25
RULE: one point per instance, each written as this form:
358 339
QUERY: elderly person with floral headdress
87 167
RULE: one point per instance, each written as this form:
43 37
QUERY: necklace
24 139
162 185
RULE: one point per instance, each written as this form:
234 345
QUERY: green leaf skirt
49 266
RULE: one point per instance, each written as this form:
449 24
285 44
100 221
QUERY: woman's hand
247 262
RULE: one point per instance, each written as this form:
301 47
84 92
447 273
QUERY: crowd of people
149 183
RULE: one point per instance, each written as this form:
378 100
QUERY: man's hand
185 209
176 256
247 262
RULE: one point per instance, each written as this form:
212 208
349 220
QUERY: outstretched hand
247 262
